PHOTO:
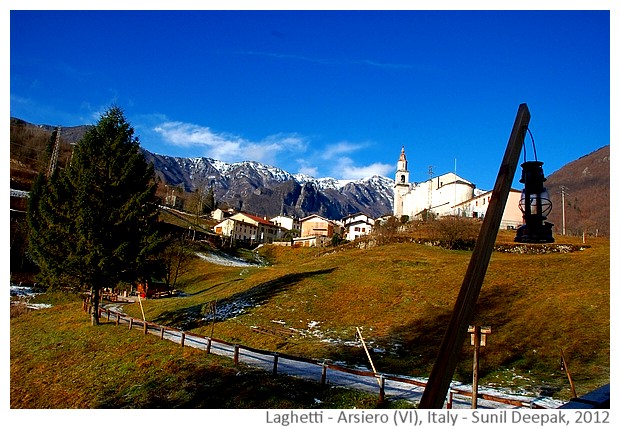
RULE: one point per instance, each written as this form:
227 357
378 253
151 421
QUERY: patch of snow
38 306
19 194
229 310
24 291
226 260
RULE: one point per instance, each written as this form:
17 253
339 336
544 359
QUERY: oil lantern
535 205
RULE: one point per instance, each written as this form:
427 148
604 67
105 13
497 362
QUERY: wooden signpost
478 339
441 375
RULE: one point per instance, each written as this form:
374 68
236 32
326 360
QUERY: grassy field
401 296
59 361
309 303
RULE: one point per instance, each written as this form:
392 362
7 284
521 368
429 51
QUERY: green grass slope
309 303
59 361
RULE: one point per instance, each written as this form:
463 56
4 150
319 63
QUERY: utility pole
54 158
563 190
430 191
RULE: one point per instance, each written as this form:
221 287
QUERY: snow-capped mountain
268 191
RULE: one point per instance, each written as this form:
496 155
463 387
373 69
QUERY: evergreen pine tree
102 209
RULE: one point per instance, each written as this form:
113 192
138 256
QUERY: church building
439 195
446 195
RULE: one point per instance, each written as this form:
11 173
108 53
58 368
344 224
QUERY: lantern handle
533 146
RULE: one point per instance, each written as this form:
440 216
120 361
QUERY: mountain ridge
269 191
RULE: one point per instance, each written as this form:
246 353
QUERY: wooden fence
207 343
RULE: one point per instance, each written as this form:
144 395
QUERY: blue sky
326 93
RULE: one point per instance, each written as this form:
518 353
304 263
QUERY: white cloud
375 169
342 166
341 148
306 168
346 169
281 149
228 147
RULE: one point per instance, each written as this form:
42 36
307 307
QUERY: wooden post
441 375
146 328
214 309
118 318
275 363
108 315
236 355
381 389
130 323
182 339
208 345
564 367
323 374
141 308
161 333
474 385
450 399
372 365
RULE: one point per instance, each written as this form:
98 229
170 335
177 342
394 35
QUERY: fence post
208 345
236 355
130 323
108 314
118 318
275 363
182 339
381 389
323 374
146 327
162 333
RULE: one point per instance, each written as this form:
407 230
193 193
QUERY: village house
287 223
248 228
174 201
357 225
219 214
316 231
477 208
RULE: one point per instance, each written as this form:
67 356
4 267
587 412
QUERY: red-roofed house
247 227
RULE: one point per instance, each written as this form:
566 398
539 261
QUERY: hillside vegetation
586 183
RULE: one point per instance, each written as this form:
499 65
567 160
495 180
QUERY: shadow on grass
207 385
196 315
411 349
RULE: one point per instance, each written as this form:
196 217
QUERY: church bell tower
402 174
401 187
